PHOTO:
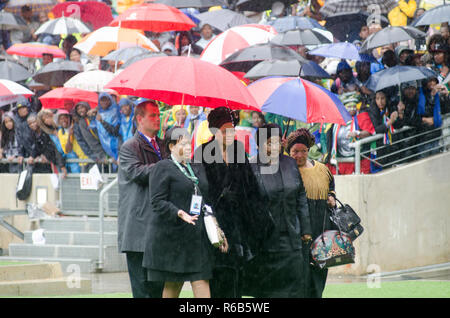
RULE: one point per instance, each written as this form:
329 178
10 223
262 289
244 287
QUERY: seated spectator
67 45
9 146
429 108
47 58
23 132
193 120
169 48
345 80
68 143
358 128
404 12
127 124
176 116
376 67
440 62
207 34
403 52
108 124
77 56
427 58
183 41
383 119
87 136
44 148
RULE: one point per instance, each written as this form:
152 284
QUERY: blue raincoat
126 124
111 116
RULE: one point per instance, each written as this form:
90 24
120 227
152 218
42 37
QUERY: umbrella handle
287 128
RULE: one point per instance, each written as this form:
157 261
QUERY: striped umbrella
10 91
63 25
234 39
107 39
90 81
35 50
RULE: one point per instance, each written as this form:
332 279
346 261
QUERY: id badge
196 204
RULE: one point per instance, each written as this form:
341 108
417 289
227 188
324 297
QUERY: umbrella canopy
63 25
342 50
192 3
93 81
300 37
260 5
438 14
234 39
93 13
296 98
125 53
345 26
10 92
223 19
57 97
155 17
338 6
37 6
35 50
13 71
107 39
9 21
139 57
288 23
183 81
391 35
291 68
244 59
396 75
57 73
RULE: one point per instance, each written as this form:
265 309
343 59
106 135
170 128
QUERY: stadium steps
44 279
72 241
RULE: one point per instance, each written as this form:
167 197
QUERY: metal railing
101 217
444 143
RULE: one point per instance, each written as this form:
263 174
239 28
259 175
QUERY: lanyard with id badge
196 201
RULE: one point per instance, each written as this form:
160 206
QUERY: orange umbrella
107 39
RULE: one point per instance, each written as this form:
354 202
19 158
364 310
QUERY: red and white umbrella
35 50
234 39
10 91
57 98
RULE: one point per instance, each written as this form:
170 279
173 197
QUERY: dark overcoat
137 159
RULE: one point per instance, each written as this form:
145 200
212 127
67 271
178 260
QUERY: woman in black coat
278 271
234 196
178 248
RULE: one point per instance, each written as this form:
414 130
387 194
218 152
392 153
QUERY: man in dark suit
137 157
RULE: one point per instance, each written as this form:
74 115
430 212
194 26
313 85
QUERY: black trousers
315 278
140 287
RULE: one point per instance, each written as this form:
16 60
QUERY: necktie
154 144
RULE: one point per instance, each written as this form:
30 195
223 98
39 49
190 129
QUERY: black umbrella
13 71
300 37
139 57
309 69
9 21
438 14
244 59
345 26
391 35
57 73
293 22
223 19
191 3
260 5
396 75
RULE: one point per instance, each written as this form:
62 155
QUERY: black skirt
275 275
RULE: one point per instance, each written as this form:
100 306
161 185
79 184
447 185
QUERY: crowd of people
158 152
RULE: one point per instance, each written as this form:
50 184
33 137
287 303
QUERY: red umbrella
58 97
155 17
35 50
97 14
180 80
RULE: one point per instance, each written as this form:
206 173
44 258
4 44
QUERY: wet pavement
103 283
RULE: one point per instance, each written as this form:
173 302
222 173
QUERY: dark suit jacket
289 208
137 159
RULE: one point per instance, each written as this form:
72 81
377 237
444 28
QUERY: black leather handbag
24 184
347 220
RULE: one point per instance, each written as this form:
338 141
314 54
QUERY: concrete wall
406 215
8 201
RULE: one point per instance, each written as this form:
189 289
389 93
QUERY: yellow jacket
400 14
123 5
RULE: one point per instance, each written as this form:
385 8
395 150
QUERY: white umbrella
10 92
91 80
63 25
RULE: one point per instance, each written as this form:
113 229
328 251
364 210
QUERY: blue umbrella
192 14
342 50
294 22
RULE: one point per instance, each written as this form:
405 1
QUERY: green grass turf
8 263
402 289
